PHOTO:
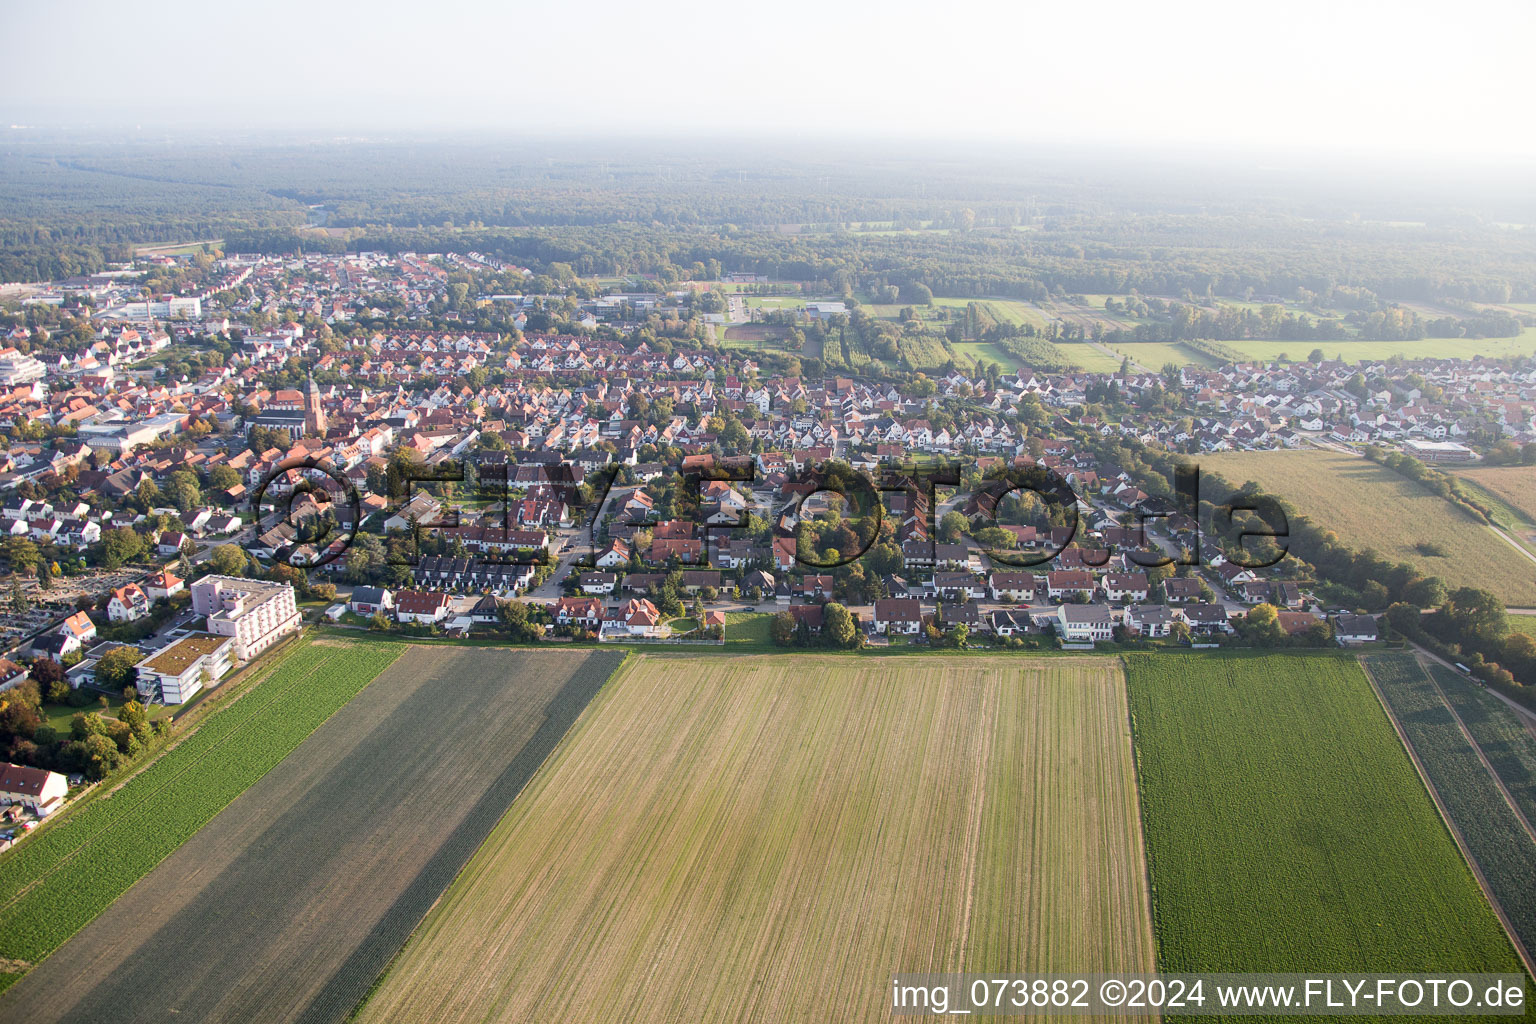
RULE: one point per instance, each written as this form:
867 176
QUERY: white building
255 613
176 674
1084 623
37 789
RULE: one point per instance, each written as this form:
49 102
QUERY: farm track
288 905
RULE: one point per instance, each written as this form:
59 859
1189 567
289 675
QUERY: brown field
1370 506
289 903
770 838
755 332
1514 485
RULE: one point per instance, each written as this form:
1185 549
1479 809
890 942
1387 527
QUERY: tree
228 560
22 554
120 546
223 478
782 630
182 489
1475 616
952 527
840 628
115 670
20 603
132 715
1425 592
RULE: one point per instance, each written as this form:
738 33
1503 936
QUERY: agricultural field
1494 834
1154 355
1010 311
1087 357
288 904
1506 741
1511 518
1370 506
58 880
1515 486
990 352
768 839
1287 829
1364 351
1086 316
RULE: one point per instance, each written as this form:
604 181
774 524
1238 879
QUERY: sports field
1370 506
291 901
1287 828
769 838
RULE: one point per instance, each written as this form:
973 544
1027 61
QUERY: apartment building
254 612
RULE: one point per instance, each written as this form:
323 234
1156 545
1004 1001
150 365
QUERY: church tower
314 412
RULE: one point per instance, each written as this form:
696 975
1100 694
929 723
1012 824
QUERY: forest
1026 226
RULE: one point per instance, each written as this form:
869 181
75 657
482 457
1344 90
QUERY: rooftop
184 653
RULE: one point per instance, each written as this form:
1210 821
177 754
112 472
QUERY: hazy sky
1452 78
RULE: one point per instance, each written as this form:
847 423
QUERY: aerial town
191 474
506 525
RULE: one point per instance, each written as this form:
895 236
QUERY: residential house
371 600
162 585
1149 620
128 603
421 606
898 615
37 789
1084 623
1355 629
1126 586
177 673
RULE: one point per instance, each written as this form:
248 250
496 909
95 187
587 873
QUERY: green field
1155 355
989 351
766 839
1357 351
58 880
1498 731
1370 506
1287 829
291 902
748 628
1493 833
1090 359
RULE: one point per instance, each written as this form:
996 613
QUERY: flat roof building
255 613
177 673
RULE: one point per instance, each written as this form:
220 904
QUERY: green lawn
61 715
1522 623
748 628
989 351
1087 357
1286 828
